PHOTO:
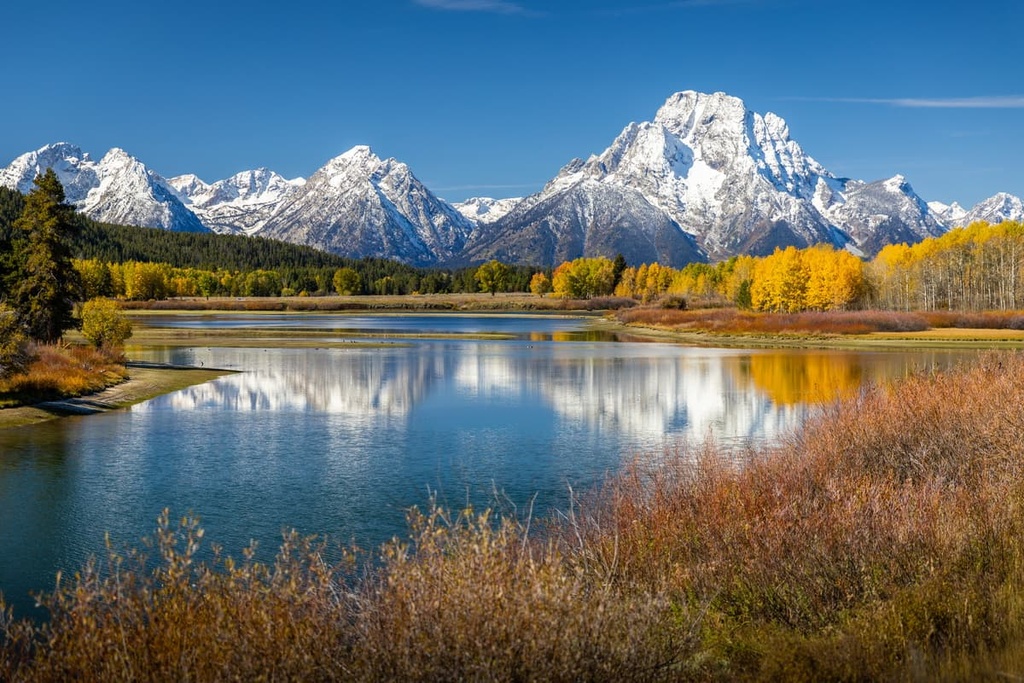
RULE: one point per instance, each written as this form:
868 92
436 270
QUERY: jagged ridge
704 180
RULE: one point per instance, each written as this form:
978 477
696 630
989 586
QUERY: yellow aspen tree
561 284
627 283
640 287
780 282
540 284
835 279
890 273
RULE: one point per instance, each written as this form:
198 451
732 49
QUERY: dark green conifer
48 285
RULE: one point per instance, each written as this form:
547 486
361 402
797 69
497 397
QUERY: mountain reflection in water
652 395
342 441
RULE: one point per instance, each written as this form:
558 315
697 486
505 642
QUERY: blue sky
492 97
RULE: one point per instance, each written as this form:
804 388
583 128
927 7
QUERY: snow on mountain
117 189
588 218
883 212
240 204
359 205
705 179
189 187
730 180
76 171
950 215
995 209
485 209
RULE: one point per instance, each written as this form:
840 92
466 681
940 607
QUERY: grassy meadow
883 541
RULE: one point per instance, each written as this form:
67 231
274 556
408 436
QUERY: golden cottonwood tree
584 278
780 282
835 279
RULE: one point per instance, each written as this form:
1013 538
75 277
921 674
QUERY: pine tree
48 287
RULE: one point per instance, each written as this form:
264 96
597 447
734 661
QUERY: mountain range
704 180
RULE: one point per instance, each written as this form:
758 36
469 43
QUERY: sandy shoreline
143 383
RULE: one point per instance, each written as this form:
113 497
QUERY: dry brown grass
987 320
881 542
733 321
62 372
465 599
887 531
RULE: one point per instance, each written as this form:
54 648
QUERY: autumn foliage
55 372
967 269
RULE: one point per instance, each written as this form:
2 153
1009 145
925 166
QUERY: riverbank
143 383
881 542
613 315
945 338
839 329
474 303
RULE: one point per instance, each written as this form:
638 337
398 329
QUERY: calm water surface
342 441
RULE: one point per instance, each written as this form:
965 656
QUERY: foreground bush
881 542
60 372
466 599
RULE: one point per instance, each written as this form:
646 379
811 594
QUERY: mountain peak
898 183
486 209
357 205
63 150
686 101
357 153
118 158
117 189
996 209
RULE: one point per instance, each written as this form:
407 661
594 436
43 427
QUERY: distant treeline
979 267
974 268
192 264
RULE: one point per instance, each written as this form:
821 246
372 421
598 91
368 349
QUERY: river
341 441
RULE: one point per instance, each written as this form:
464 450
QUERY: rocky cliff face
117 189
359 205
713 174
705 179
242 203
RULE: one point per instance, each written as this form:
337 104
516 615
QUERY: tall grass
881 542
63 371
733 321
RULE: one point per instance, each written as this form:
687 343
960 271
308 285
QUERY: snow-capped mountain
705 179
880 213
117 189
995 209
730 180
588 218
950 215
486 209
359 205
242 203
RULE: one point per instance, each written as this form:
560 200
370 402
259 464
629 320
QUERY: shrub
57 372
14 349
672 301
104 324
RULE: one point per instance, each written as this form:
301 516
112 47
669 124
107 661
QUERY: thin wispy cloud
491 6
994 102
